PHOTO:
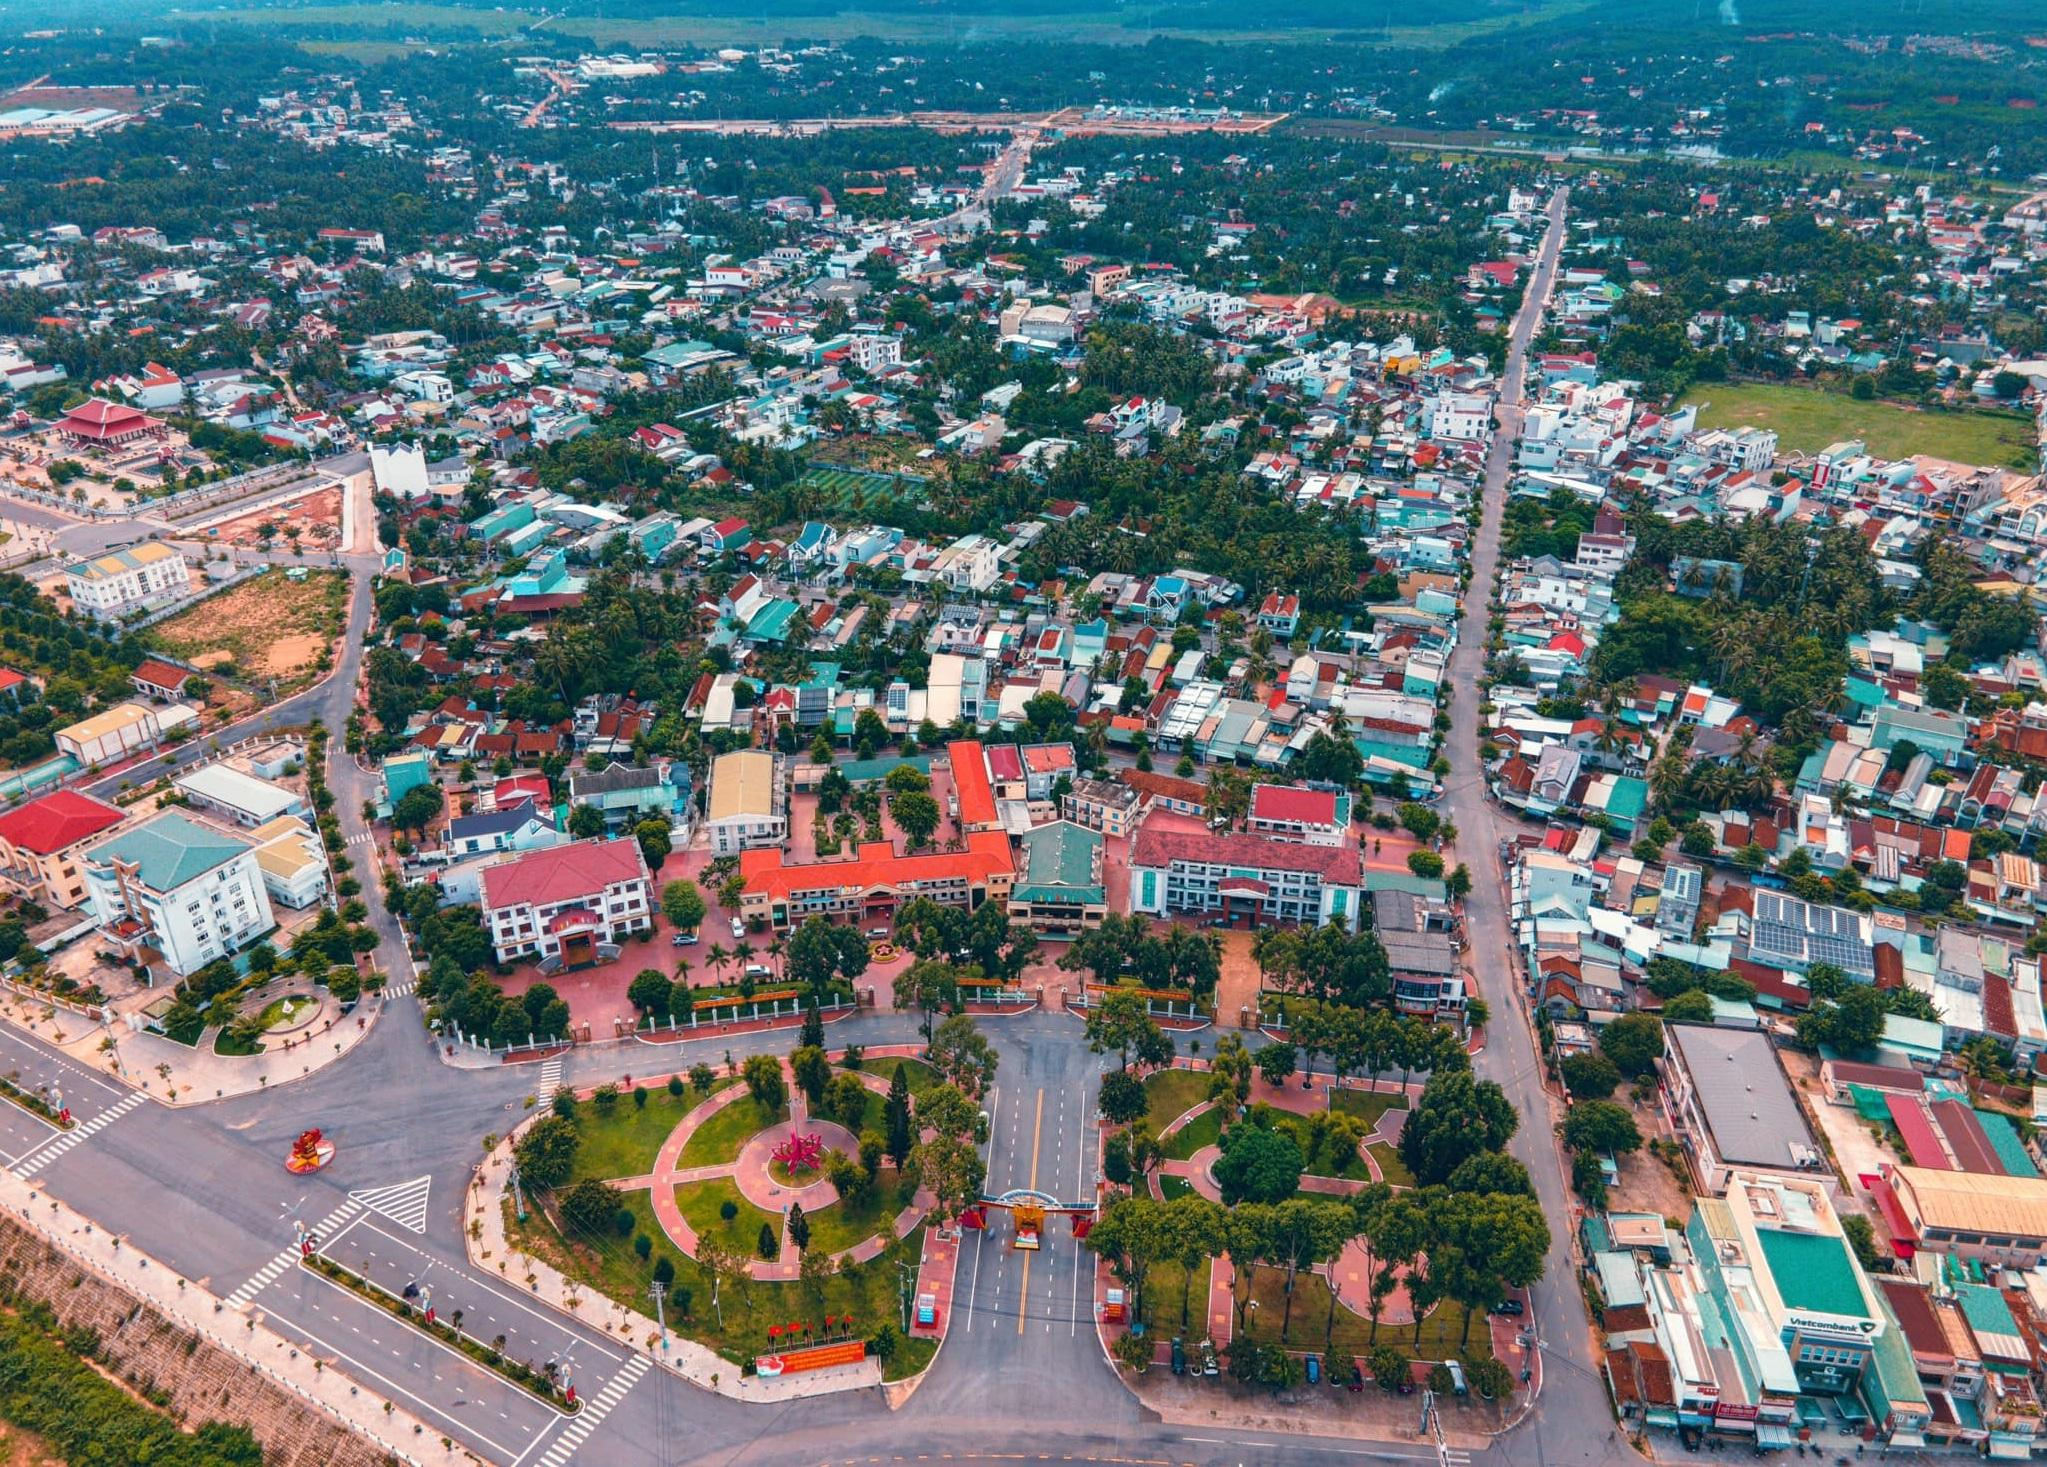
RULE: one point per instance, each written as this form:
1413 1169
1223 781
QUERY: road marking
360 838
1023 1293
49 1151
270 1272
595 1409
400 990
402 1202
550 1077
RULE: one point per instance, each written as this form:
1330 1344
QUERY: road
1572 1422
202 1190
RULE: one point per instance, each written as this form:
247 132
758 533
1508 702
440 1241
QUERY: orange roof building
874 885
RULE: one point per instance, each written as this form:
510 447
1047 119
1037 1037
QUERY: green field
719 1138
1807 419
859 491
1173 1093
625 1143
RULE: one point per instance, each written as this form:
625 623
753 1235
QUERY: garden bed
34 1104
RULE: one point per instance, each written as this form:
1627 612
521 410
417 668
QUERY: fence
708 1017
1157 1005
201 496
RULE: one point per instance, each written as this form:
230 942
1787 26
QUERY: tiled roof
1289 803
563 873
1158 848
55 821
160 674
970 784
171 850
987 854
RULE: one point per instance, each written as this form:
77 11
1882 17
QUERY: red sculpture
801 1153
309 1153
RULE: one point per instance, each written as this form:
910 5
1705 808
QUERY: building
1297 813
626 794
293 862
1103 805
1996 1220
519 826
1792 935
189 892
238 797
404 773
1730 1106
875 884
103 424
123 582
121 729
1245 878
42 846
568 904
1058 889
161 680
749 802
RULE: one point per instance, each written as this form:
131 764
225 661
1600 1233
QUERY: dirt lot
317 518
271 627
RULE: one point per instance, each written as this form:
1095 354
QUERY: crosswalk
36 1160
402 1202
550 1077
595 1409
400 990
1454 1457
360 838
268 1274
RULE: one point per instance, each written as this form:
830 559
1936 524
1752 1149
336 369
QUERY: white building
1464 416
749 805
874 353
187 891
241 798
122 582
569 903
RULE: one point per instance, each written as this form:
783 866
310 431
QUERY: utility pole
659 1292
518 1197
903 1275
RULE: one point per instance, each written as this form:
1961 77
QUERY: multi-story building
876 884
749 802
626 794
125 581
1100 804
42 846
1296 813
186 891
568 903
1245 878
1059 889
2000 1221
1730 1106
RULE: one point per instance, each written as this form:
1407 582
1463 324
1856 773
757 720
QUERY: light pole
659 1294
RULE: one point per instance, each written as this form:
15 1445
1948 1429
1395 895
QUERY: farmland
1807 419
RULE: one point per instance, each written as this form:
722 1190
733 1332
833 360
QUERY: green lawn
720 1138
1391 1167
869 1292
1310 1325
701 1204
1173 1093
625 1143
922 1076
1175 1187
1369 1105
838 1227
1202 1131
1807 419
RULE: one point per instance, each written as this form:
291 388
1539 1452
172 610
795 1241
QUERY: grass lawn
869 1292
624 1143
720 1138
1197 1133
1391 1167
1310 1324
1369 1105
1173 1093
701 1205
838 1227
922 1076
1175 1187
1807 419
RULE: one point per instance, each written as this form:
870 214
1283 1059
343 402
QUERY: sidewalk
180 1074
351 1402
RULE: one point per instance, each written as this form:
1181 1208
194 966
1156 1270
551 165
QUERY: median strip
35 1105
536 1383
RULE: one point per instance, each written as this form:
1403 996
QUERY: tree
1116 1023
650 992
1193 1232
1590 1076
763 1076
961 1054
1634 1042
586 822
1694 1007
1305 1231
813 1025
682 903
812 1072
820 952
815 1271
1258 1165
928 985
547 1152
1123 1098
917 814
1276 1062
951 1168
1852 1025
1457 1117
1388 1366
1131 1235
1459 881
1425 863
1601 1126
655 841
1491 1171
416 808
799 1227
767 1245
845 1101
895 1118
588 1207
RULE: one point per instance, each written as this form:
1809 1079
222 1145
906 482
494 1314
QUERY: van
759 970
738 929
877 934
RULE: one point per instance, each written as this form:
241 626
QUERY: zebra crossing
550 1077
268 1274
36 1160
360 838
402 1202
400 990
595 1409
1454 1457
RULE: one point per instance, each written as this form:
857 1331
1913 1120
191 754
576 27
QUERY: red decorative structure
800 1153
309 1153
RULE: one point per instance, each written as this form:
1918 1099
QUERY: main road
201 1189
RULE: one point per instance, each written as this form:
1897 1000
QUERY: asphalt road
203 1189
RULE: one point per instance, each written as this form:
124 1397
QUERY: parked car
739 929
1209 1365
759 970
1314 1370
877 934
684 939
1357 1377
1510 1308
1179 1357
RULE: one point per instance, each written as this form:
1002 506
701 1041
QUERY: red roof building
1294 812
1244 879
970 786
567 903
41 845
156 679
874 885
103 424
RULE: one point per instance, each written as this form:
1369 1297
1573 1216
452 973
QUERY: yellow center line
1023 1298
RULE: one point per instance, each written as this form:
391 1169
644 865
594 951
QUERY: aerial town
845 747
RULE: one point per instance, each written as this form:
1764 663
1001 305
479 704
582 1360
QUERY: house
164 681
404 773
749 806
42 846
1997 1220
520 826
185 891
628 793
876 884
1103 805
1244 878
293 861
121 729
1729 1105
240 798
1296 813
567 905
1058 889
129 580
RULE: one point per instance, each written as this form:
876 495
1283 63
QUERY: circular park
768 1200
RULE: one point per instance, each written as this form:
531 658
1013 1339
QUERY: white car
738 929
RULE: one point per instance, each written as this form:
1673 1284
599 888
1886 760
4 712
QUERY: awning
2007 1448
1769 1434
1665 1419
1908 1438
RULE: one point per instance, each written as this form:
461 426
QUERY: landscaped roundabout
767 1218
